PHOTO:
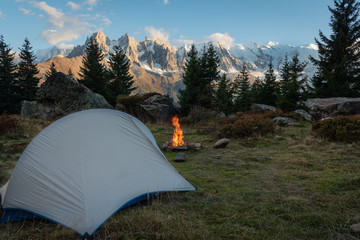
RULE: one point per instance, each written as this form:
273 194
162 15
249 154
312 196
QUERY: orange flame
178 136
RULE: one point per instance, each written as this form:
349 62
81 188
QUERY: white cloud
165 1
91 3
62 28
184 41
2 15
224 39
26 11
157 33
73 5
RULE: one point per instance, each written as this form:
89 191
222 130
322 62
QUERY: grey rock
328 107
60 95
304 115
262 108
157 107
222 143
355 227
180 157
28 108
283 121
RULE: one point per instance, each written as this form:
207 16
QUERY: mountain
157 65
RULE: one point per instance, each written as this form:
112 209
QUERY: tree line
337 74
20 82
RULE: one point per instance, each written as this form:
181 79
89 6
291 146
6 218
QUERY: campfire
177 143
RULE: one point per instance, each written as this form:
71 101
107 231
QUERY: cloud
26 11
73 5
224 39
184 41
62 28
91 3
157 33
2 15
165 1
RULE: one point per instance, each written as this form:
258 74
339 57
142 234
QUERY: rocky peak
102 40
130 46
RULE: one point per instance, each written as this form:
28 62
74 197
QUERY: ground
287 185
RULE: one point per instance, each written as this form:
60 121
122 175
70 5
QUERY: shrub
341 128
246 125
7 123
201 114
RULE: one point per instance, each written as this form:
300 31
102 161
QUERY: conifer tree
190 95
93 72
256 90
269 89
27 70
243 92
338 67
292 85
224 96
51 70
8 91
120 80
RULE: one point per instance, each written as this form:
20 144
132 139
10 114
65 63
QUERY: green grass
288 185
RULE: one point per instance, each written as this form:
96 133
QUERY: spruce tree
224 96
256 90
51 70
243 91
71 75
27 71
269 90
93 72
8 86
190 95
120 80
338 67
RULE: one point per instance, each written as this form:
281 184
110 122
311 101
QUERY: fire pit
177 143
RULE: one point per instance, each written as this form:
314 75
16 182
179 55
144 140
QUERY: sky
67 23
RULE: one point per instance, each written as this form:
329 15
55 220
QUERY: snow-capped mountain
157 65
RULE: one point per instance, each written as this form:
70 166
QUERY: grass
288 185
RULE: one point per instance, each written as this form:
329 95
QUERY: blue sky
62 22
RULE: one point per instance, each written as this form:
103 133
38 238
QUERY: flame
178 136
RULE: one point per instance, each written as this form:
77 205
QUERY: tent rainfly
85 167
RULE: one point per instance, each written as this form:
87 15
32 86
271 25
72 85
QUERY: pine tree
210 75
338 67
243 91
190 95
256 90
121 81
51 70
27 70
292 85
269 90
93 72
224 95
8 91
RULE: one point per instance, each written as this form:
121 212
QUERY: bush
201 114
246 125
341 128
7 123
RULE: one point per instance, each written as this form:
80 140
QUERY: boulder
304 115
283 121
262 108
180 157
149 107
28 108
60 96
222 143
328 107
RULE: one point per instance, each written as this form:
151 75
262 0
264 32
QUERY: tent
85 167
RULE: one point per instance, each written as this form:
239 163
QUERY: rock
28 108
329 107
355 227
180 157
262 108
222 143
150 107
60 95
304 115
283 121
